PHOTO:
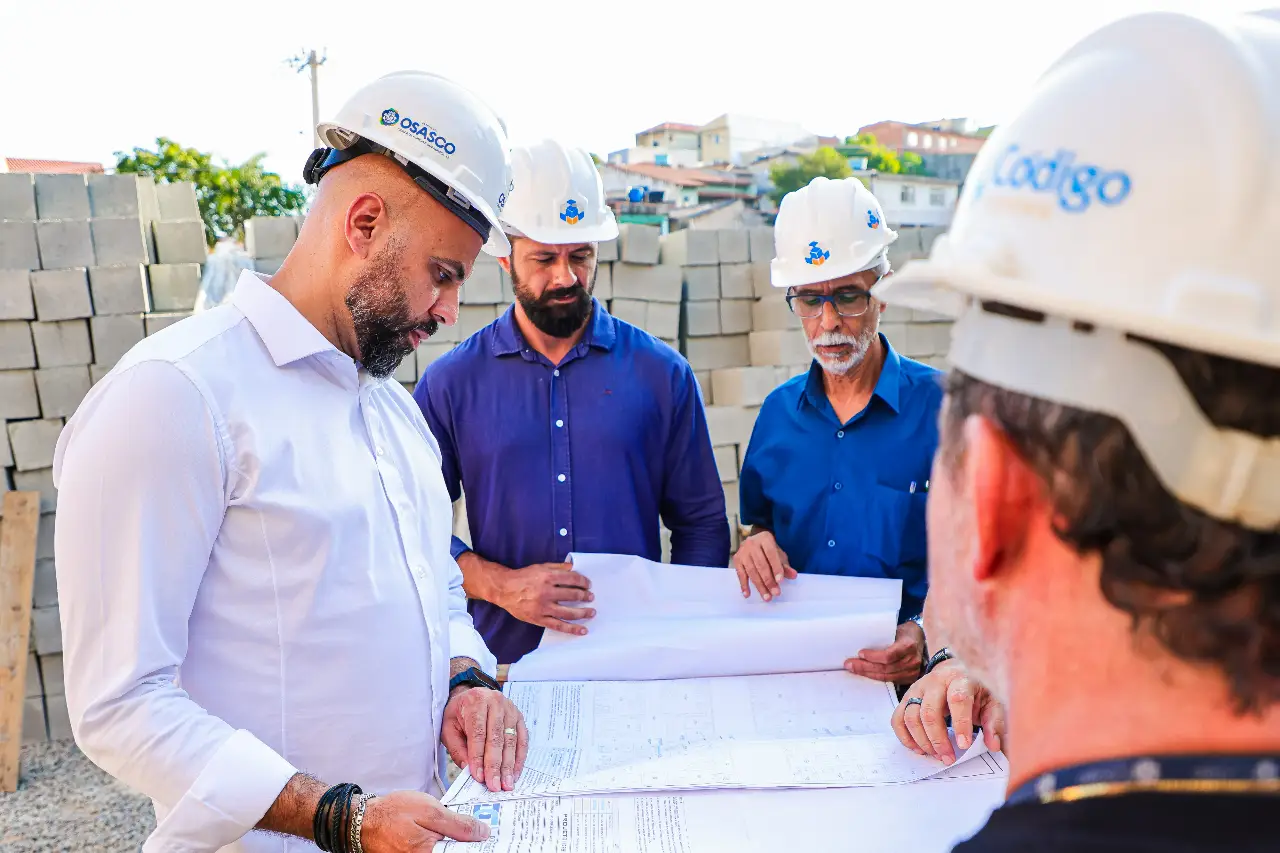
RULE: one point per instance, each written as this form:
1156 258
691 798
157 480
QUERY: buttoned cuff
457 548
227 799
465 642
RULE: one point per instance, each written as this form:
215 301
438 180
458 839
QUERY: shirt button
840 434
839 486
559 423
564 532
831 543
555 373
379 451
420 572
560 478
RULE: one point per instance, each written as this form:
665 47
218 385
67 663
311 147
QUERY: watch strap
474 677
943 654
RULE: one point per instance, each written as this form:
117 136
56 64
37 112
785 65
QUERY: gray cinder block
690 247
270 236
44 538
703 378
34 687
6 453
652 283
718 352
59 718
604 282
772 313
62 197
633 311
735 316
97 371
406 371
33 723
44 592
429 351
40 480
61 389
155 322
118 290
122 194
46 630
484 286
761 282
663 320
62 344
65 243
734 248
727 462
118 240
702 284
114 336
703 318
927 339
473 318
743 386
638 244
19 249
16 348
730 425
51 674
180 241
174 287
267 266
61 294
760 244
779 347
33 442
177 201
15 295
18 395
736 281
17 196
607 251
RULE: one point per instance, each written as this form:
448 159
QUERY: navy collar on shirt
602 331
887 386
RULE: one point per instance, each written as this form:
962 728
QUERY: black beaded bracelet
329 827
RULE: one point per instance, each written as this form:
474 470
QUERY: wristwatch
943 654
475 678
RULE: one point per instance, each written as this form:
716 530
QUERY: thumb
788 572
450 824
451 737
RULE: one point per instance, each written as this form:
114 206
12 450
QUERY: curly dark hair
1207 590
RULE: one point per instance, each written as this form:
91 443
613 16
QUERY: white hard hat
1091 209
558 196
827 230
426 121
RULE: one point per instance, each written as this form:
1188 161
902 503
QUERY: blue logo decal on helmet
817 256
418 130
572 215
390 117
873 221
1076 185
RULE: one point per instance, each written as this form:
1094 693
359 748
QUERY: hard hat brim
784 275
600 233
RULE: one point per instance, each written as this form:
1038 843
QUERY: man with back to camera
567 429
1104 522
834 478
253 539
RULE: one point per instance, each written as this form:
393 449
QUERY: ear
506 264
366 216
1006 497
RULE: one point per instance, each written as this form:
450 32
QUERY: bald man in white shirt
257 593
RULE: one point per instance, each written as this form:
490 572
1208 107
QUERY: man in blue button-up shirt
569 430
836 473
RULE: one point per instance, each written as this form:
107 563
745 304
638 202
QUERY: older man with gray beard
836 476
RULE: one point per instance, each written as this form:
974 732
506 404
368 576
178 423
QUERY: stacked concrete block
760 244
62 197
18 196
734 246
737 281
604 282
484 285
718 352
702 319
61 294
119 289
32 443
607 252
15 295
114 335
744 386
19 249
60 389
690 248
62 344
735 316
473 318
180 241
730 426
174 287
118 240
637 243
153 323
701 283
268 239
727 463
16 348
177 201
660 319
64 243
648 283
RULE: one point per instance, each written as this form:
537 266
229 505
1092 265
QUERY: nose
445 309
830 319
562 274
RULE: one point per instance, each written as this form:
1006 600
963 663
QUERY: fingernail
483 831
507 782
746 594
767 596
963 740
947 759
590 597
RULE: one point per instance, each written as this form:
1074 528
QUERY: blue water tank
636 194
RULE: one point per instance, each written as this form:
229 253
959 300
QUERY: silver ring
508 731
915 700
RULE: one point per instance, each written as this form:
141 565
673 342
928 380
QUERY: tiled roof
17 164
682 176
672 125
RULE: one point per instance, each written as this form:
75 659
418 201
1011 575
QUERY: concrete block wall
89 265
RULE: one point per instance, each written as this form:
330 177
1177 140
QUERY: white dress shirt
254 574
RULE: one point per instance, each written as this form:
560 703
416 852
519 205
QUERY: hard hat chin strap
1231 475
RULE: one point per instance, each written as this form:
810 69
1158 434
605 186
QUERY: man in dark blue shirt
835 476
568 430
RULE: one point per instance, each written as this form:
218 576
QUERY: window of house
908 195
953 142
913 139
660 159
717 139
928 141
937 197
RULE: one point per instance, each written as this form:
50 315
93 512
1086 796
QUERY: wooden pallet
18 530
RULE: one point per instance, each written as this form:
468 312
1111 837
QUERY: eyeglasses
848 303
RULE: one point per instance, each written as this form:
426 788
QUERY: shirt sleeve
464 640
448 451
142 478
693 497
756 510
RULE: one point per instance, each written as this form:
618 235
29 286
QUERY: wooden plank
18 530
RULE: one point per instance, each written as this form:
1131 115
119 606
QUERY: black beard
558 320
380 314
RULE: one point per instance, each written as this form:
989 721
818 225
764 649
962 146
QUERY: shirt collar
288 336
887 386
602 331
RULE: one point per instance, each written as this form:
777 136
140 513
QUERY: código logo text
1076 185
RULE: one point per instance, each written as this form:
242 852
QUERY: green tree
825 163
912 164
879 157
226 194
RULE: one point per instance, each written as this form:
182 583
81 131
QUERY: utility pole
307 59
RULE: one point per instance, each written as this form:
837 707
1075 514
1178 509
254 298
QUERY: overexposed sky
80 80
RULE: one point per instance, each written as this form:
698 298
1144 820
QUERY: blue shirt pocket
893 531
